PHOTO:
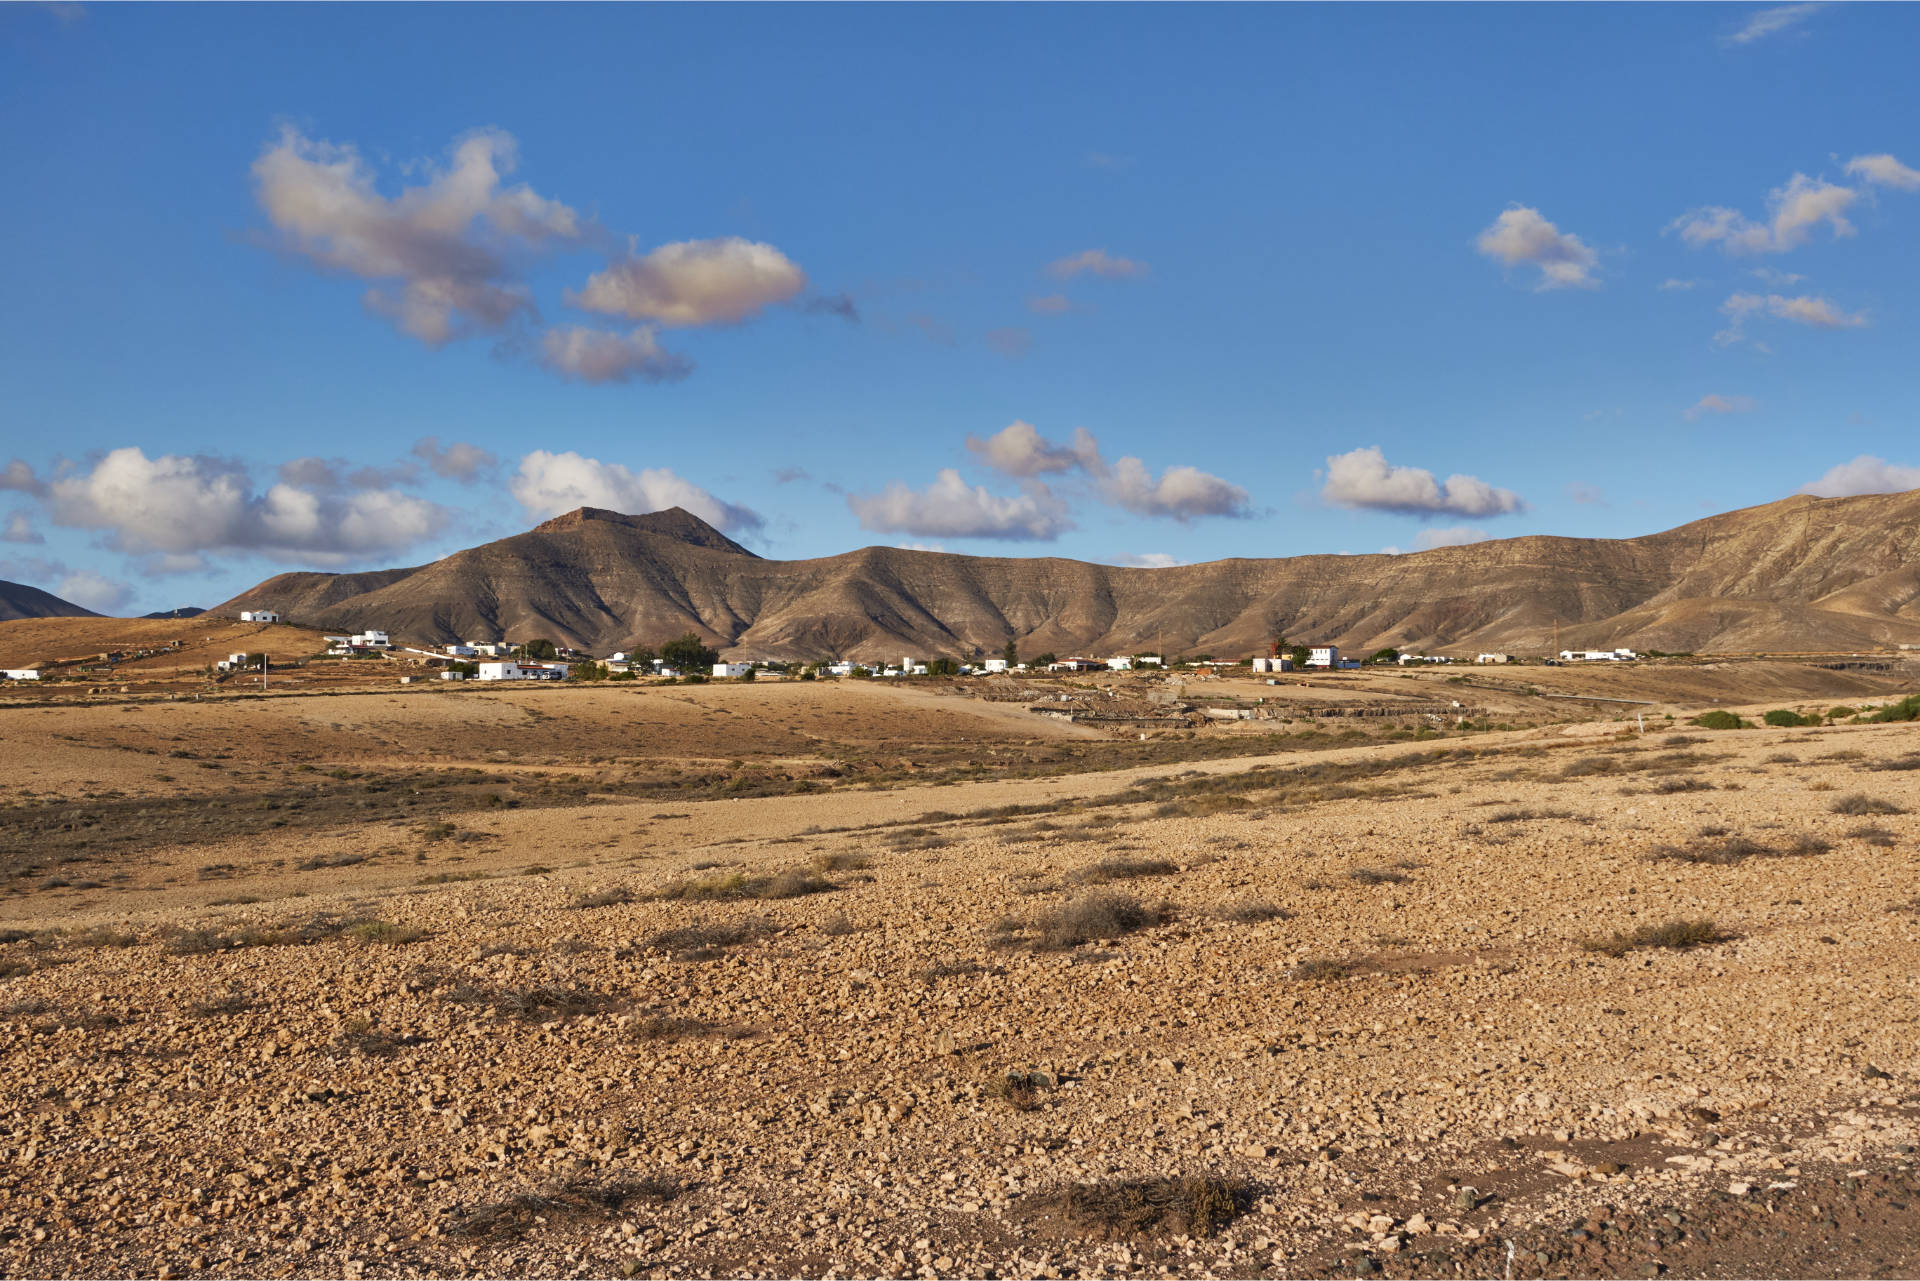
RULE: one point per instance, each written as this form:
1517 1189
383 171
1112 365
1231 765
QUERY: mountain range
1801 574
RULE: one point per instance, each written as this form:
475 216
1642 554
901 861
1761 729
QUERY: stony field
1569 1000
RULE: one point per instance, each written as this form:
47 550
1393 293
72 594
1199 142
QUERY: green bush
1907 709
1718 719
1786 719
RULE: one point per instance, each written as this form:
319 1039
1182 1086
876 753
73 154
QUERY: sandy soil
1378 1007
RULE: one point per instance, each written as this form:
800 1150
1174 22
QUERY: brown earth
1357 1011
1800 574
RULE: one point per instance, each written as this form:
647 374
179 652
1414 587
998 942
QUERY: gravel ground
1337 1016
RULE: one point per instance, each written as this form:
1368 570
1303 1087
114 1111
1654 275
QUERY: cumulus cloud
1715 403
93 591
1096 262
1180 492
458 461
1011 342
20 530
1146 560
1793 213
694 282
1520 235
1803 310
548 484
1362 478
437 252
1018 449
1049 304
597 356
1769 22
950 508
177 507
19 477
1883 170
1865 475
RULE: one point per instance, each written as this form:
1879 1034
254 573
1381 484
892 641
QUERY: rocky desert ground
841 980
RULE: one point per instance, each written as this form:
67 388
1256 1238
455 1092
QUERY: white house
258 616
996 665
23 673
1120 664
492 649
1272 664
1494 658
232 662
1327 656
1597 656
842 668
732 669
370 640
458 650
507 671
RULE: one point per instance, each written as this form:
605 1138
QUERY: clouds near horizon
951 508
1866 474
547 484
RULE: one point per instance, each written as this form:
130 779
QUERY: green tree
541 648
1045 659
1011 653
642 656
943 667
688 655
1300 655
1387 655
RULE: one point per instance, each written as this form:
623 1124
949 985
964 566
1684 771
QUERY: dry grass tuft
1872 834
703 941
1322 970
1859 805
559 1200
1252 912
1377 876
1092 916
1123 869
612 896
790 883
1678 934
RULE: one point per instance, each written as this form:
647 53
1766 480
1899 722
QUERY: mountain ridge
1802 573
21 600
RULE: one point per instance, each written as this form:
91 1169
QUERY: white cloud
1671 283
1865 475
1772 21
1362 478
548 484
1520 235
597 356
1146 560
93 591
1715 403
20 530
694 282
178 506
1883 170
1049 304
1777 278
437 250
1096 262
1180 492
19 477
950 508
1793 212
1018 449
1803 310
458 461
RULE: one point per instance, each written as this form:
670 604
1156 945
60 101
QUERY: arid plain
840 978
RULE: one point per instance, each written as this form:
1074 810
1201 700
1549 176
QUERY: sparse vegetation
611 896
794 882
704 940
1907 709
1097 915
1719 719
1872 834
1786 718
1123 869
573 1197
1252 912
1322 970
1377 875
1676 934
1860 805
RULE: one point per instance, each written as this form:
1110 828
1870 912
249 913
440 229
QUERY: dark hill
17 600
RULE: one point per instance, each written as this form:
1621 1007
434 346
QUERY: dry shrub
1859 805
1678 934
1252 912
1144 1208
793 882
539 1004
1090 917
612 896
1527 815
1123 869
702 940
1907 762
1872 834
1681 783
1018 1090
840 862
1377 876
1322 969
561 1199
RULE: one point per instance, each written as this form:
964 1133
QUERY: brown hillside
1800 574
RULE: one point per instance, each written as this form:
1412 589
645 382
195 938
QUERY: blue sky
343 286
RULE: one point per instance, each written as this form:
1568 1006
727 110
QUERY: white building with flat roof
1323 656
258 616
